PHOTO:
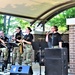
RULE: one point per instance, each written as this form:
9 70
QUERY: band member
54 38
4 50
16 51
27 54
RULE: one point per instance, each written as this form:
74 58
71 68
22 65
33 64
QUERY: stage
35 65
35 68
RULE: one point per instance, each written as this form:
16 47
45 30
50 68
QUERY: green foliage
10 22
22 23
1 22
60 19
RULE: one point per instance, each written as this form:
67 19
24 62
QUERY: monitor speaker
21 70
56 62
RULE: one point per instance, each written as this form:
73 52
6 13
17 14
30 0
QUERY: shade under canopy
32 10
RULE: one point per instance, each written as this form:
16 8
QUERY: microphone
48 32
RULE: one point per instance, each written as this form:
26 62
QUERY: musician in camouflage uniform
16 50
4 50
27 54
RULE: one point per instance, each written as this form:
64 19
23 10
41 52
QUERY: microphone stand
40 57
37 46
42 46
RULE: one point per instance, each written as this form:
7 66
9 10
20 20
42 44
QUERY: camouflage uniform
4 53
27 50
16 55
27 54
5 49
16 51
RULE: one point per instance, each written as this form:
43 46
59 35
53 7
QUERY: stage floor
35 68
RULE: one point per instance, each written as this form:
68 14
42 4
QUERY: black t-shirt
54 39
5 39
28 37
18 36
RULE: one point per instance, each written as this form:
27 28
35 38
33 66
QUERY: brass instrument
20 43
21 48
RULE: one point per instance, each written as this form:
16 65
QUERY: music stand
39 45
35 45
43 45
10 45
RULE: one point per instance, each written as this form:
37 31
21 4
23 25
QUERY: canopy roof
34 10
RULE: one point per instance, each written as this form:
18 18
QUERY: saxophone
21 48
20 44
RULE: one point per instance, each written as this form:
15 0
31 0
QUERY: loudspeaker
21 70
55 61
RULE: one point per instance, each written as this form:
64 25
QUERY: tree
1 22
60 19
